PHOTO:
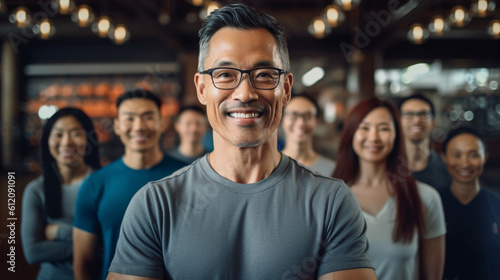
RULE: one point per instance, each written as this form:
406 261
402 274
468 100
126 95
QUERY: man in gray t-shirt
196 224
244 211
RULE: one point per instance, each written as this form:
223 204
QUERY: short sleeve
345 245
139 248
86 207
433 211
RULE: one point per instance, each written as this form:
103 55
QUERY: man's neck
301 152
418 153
244 165
465 193
191 149
142 160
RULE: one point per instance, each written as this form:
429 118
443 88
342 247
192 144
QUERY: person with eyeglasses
244 211
300 118
418 121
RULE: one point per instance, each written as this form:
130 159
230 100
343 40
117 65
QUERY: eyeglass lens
294 116
421 114
262 78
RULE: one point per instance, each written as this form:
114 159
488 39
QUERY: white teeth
138 138
243 115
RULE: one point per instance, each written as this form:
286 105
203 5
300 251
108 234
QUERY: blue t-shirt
473 237
105 195
435 174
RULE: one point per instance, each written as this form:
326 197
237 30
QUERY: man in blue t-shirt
105 195
472 212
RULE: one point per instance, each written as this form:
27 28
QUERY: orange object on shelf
84 90
67 90
116 91
102 89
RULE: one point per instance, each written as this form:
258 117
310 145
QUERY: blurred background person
417 122
105 195
191 125
69 154
405 220
472 212
300 118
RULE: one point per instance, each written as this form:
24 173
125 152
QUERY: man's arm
358 274
84 255
432 258
117 276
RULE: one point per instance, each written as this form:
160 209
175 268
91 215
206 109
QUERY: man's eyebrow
70 129
223 63
226 63
265 63
137 114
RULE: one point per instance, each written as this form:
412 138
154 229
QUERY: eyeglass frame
294 116
421 115
211 70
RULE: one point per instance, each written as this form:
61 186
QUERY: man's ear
287 86
176 126
443 157
116 126
199 82
164 123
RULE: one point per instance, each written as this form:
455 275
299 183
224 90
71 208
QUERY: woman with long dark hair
69 154
405 222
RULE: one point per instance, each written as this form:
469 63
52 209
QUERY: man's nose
245 92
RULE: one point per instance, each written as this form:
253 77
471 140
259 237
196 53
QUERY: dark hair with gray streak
240 16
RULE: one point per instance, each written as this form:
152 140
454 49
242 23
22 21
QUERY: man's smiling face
244 116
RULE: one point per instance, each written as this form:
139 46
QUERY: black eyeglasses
230 78
294 116
421 115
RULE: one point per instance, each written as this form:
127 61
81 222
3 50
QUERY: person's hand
51 231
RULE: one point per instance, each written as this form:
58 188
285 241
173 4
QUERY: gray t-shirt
56 256
196 224
323 166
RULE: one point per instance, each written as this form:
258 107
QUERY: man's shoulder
113 166
315 179
113 171
435 159
171 162
493 196
184 172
